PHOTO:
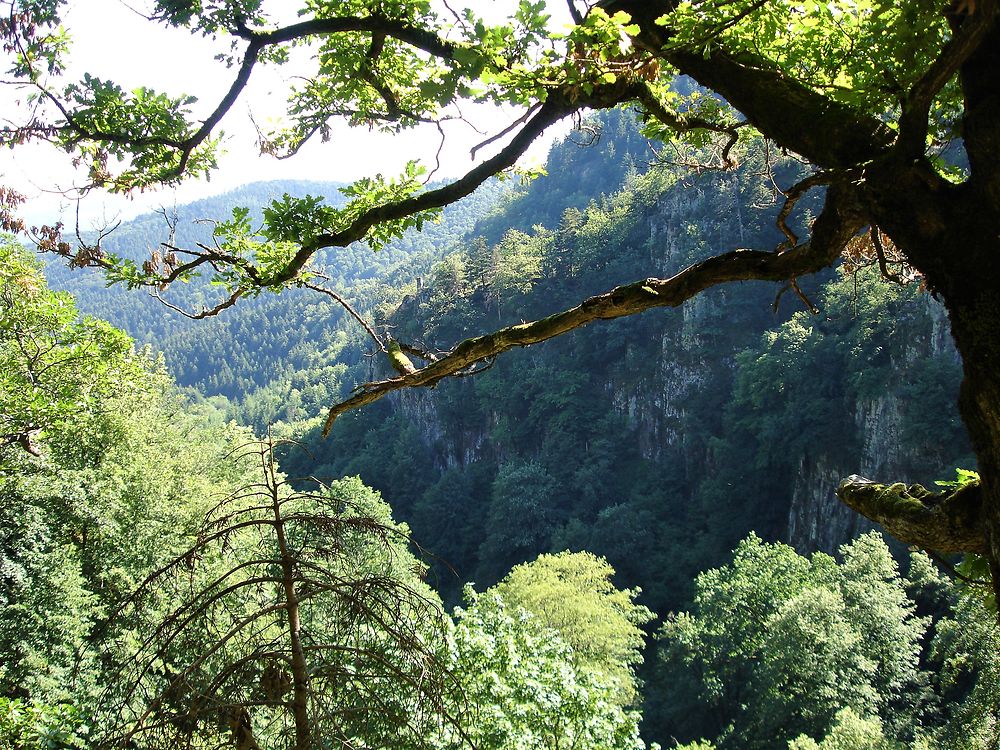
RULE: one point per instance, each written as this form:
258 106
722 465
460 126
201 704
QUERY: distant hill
246 347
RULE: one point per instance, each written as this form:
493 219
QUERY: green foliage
54 368
40 727
665 444
861 53
967 649
119 493
118 478
524 688
600 441
962 478
849 732
293 350
520 519
290 614
207 16
808 381
368 193
572 593
777 644
139 129
291 219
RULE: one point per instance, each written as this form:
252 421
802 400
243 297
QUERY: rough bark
946 522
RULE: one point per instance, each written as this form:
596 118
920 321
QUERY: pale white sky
112 41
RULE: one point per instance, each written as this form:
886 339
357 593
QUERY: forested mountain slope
162 585
266 338
658 441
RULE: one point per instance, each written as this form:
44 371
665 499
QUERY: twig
347 306
492 139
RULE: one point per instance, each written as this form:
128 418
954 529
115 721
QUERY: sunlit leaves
296 219
142 130
524 690
250 257
573 594
867 53
368 193
417 11
209 16
31 726
53 367
777 644
33 38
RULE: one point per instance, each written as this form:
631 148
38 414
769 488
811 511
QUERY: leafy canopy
54 367
399 65
573 594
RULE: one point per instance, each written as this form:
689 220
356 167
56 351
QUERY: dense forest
689 440
629 532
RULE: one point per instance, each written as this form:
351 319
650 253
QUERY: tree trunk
300 670
975 320
974 302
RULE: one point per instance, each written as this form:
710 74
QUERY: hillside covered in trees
512 481
459 464
164 583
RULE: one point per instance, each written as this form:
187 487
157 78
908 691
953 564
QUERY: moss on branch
838 222
946 522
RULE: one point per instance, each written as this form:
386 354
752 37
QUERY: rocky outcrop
449 448
817 520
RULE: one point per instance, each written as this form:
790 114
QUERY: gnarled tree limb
913 122
840 220
946 522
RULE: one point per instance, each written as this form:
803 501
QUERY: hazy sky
112 41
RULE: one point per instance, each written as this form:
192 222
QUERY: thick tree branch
417 37
913 122
840 220
554 109
683 122
946 522
830 134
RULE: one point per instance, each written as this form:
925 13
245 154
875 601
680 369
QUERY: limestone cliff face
669 376
696 343
450 447
816 519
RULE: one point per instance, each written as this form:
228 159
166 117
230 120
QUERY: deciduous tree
572 593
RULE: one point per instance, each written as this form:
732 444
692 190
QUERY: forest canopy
163 583
868 94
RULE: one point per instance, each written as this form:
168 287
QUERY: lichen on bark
946 522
